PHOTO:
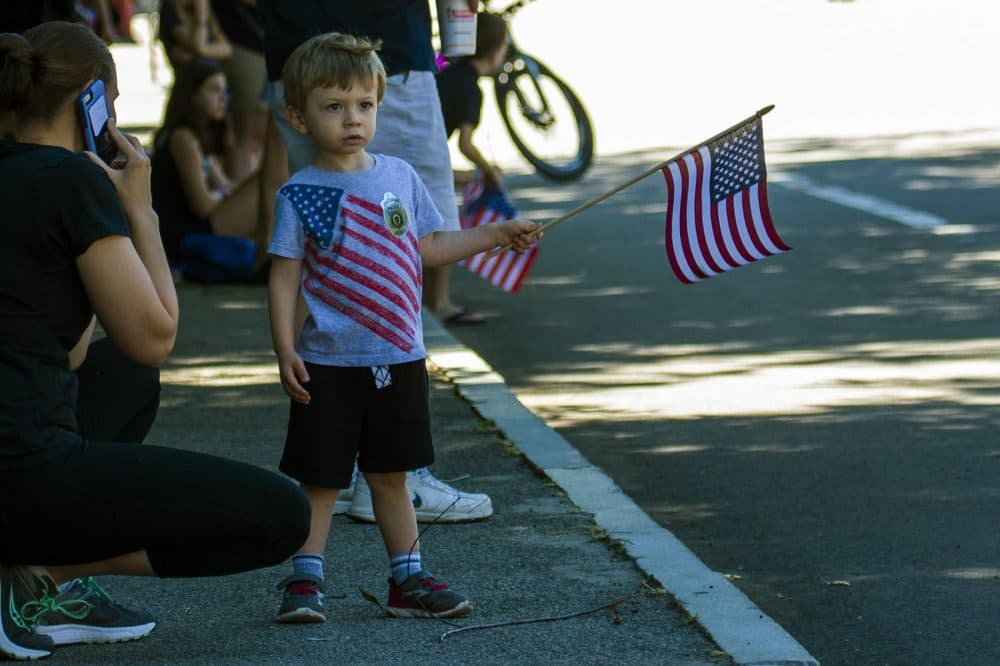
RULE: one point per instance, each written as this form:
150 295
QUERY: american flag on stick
506 269
717 213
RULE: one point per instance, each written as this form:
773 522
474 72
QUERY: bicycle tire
567 169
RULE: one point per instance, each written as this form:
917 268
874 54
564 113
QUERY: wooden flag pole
648 172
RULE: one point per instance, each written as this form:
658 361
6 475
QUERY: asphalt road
822 424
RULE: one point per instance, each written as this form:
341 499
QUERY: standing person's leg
411 127
273 173
246 74
299 148
117 398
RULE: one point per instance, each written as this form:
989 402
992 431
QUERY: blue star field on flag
318 206
737 161
494 200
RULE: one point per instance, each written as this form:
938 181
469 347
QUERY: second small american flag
508 269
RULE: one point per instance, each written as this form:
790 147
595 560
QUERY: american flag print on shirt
717 213
355 264
508 269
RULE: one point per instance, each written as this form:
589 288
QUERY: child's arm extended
283 298
446 247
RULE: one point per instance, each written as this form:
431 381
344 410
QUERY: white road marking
868 203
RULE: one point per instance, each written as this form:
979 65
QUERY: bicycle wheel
545 119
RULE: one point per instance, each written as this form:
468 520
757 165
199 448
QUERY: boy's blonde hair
332 59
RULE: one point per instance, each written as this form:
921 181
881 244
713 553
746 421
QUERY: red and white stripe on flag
717 213
508 269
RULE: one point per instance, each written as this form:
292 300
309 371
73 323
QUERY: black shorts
387 429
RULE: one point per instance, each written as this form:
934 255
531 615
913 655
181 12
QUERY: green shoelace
77 609
16 616
91 586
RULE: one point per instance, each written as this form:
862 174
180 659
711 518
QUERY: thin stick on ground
511 623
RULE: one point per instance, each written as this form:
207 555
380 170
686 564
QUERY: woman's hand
132 178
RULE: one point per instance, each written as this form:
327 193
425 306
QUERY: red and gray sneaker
301 599
18 640
423 595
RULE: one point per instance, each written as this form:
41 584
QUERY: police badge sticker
394 214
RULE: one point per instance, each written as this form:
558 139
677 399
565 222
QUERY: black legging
118 397
194 514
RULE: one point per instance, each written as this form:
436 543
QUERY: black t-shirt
461 98
19 15
56 204
170 202
240 22
404 26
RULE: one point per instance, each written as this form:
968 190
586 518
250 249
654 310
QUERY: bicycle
545 119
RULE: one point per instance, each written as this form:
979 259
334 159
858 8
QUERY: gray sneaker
302 599
85 613
18 640
423 595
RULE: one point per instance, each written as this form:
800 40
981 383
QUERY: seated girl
192 193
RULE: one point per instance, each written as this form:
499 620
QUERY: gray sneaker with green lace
85 613
301 599
18 640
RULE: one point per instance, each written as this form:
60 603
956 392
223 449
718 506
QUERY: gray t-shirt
358 236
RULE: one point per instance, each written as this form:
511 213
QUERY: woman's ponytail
48 66
17 66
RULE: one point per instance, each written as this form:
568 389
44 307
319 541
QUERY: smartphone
93 105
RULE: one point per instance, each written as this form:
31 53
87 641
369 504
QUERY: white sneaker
433 500
346 496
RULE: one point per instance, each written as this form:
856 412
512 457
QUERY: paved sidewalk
538 556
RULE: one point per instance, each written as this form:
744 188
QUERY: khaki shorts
409 126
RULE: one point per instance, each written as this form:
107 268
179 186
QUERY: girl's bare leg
236 215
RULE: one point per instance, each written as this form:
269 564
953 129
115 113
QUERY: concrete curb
733 621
